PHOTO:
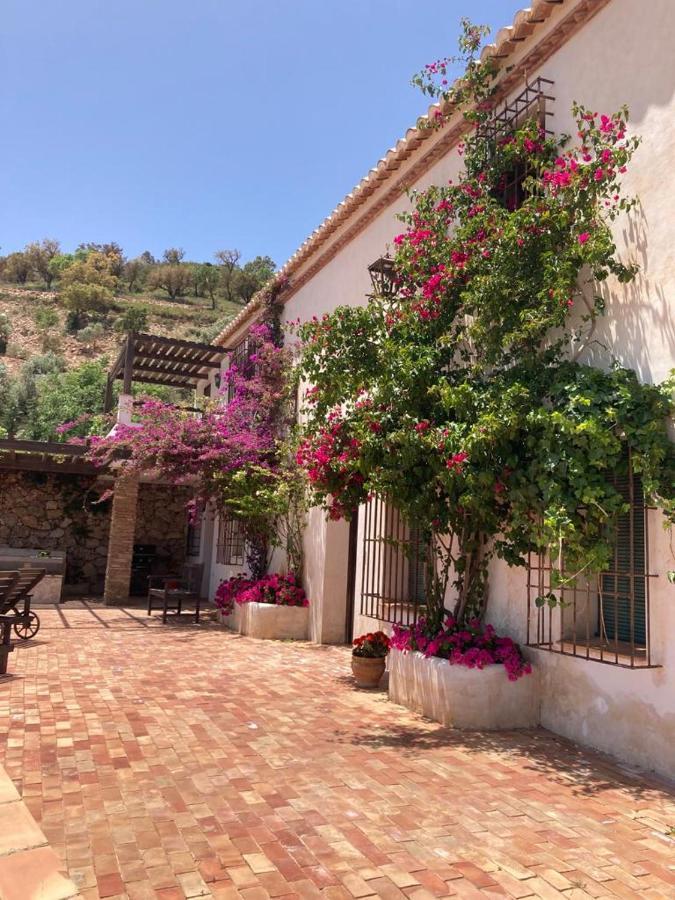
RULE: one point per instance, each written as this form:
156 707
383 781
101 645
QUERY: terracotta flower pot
368 670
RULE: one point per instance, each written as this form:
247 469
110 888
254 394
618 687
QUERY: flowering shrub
228 591
277 590
461 398
233 455
372 645
471 645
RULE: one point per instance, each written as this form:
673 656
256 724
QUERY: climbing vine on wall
462 398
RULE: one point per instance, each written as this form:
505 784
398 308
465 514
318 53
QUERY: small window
605 619
529 105
230 549
241 358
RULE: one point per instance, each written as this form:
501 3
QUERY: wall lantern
383 277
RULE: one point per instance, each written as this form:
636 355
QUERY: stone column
121 541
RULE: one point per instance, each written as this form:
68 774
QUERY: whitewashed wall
623 55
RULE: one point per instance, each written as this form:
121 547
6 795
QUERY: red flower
457 461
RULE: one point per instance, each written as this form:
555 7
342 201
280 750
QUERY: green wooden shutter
615 605
416 567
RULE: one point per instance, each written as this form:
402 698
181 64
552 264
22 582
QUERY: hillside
38 319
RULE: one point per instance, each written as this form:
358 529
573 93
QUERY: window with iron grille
241 358
230 549
606 618
393 567
529 105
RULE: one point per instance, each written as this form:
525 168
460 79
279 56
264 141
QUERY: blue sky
205 123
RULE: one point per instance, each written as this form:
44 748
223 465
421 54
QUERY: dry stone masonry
60 512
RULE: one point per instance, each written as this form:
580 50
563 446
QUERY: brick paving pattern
184 761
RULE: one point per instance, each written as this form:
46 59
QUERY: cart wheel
27 627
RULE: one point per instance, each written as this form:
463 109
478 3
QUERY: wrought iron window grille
231 545
241 358
393 565
530 104
605 619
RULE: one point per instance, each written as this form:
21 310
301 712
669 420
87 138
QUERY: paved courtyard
180 761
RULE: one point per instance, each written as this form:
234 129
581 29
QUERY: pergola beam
141 338
164 361
185 360
170 382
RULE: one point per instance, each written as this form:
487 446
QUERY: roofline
509 40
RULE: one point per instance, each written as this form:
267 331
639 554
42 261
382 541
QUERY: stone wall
57 512
162 522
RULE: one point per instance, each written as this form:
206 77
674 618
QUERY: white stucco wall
623 55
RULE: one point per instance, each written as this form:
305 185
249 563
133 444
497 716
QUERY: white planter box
474 699
265 620
233 621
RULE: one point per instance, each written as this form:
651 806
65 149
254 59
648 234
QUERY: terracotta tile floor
185 761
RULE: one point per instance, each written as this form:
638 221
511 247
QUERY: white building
602 53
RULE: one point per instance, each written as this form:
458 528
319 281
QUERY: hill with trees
63 315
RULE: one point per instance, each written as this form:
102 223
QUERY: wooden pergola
171 362
45 456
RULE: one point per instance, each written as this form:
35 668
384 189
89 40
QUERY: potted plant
368 658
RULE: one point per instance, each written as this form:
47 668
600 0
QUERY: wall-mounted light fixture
383 277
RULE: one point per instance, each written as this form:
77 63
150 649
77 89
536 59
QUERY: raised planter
472 699
233 621
266 620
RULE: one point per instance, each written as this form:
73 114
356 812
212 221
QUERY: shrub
90 333
134 318
45 317
470 645
74 397
277 590
83 299
16 351
73 322
51 343
5 330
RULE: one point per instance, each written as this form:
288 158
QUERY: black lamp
383 277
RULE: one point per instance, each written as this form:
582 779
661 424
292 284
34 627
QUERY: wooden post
107 399
128 363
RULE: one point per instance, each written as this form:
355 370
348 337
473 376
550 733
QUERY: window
241 358
230 549
530 104
393 566
194 535
607 618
